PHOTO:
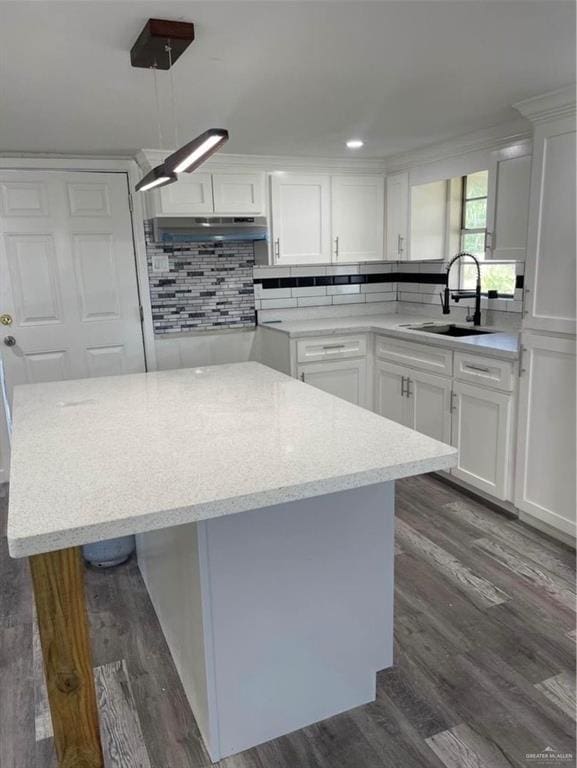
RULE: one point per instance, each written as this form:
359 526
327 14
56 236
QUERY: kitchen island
264 510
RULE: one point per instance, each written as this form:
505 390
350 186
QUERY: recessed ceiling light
355 143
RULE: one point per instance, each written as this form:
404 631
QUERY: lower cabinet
482 430
418 400
343 378
545 466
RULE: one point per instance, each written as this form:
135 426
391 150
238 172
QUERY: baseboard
549 530
503 507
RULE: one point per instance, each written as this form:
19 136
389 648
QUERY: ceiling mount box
150 50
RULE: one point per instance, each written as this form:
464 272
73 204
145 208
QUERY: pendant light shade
193 154
157 177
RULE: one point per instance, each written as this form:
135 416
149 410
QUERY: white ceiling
287 78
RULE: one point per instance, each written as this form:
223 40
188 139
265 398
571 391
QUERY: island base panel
281 616
58 583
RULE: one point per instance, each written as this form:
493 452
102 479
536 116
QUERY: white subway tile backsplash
335 290
314 301
307 271
264 273
313 290
343 269
277 303
356 298
272 293
372 297
379 288
378 267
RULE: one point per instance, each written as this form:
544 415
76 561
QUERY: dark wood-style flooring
484 658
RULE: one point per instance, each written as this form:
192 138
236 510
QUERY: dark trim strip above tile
439 278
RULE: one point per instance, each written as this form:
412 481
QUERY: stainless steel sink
448 330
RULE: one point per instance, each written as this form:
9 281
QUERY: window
495 276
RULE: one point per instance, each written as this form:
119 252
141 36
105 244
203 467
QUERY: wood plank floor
484 671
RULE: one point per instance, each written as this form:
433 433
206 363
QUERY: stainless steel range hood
196 229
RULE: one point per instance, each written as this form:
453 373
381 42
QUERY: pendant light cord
157 101
172 95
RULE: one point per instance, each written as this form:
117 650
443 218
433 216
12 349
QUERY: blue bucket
106 554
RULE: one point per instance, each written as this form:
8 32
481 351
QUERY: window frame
474 231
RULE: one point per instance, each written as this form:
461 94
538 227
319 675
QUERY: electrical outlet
160 263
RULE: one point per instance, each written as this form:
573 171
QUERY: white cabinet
413 398
550 271
429 212
430 405
508 205
545 472
300 207
482 429
358 210
390 398
191 195
238 193
344 378
397 206
206 194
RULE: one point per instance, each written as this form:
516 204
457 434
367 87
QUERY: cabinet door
301 219
358 212
429 211
342 378
238 193
482 432
191 195
545 467
397 215
390 389
508 206
430 405
550 272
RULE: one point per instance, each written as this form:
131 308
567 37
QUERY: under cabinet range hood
195 229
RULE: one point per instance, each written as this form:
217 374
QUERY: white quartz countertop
105 457
500 344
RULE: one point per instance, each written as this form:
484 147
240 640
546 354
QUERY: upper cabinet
206 194
550 272
300 209
508 205
358 209
318 218
397 207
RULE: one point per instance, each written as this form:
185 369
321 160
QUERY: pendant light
154 48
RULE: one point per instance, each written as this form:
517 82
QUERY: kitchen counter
502 344
264 514
105 457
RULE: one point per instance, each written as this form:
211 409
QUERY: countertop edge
27 546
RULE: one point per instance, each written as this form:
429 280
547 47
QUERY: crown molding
549 106
489 139
148 158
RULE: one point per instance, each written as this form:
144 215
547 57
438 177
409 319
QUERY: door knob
10 341
5 319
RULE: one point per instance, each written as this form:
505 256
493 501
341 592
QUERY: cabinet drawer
331 348
498 374
417 355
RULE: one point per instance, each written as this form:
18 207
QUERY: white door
190 196
550 272
301 219
545 474
358 212
68 277
430 405
390 392
343 378
481 428
397 216
508 206
238 193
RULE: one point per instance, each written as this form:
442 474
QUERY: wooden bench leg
63 626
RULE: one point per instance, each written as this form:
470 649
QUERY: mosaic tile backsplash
206 286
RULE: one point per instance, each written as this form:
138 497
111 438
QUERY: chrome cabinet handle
477 368
521 369
334 346
452 406
403 386
10 341
400 248
409 393
337 247
277 247
302 376
487 246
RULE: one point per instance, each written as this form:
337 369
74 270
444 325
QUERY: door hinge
141 313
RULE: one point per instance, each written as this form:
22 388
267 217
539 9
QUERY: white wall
204 349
